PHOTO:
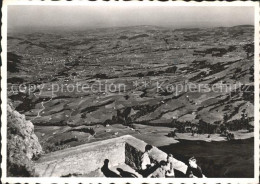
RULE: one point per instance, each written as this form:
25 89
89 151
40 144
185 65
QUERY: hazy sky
93 16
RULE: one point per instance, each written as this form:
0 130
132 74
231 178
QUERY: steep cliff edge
22 144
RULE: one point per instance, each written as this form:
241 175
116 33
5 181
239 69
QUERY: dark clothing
197 172
107 172
150 169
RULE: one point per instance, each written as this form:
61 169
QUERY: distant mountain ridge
69 28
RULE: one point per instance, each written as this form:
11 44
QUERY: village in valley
53 69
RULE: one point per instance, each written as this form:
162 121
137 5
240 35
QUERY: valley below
178 89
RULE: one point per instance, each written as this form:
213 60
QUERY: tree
230 136
83 115
92 131
222 128
249 48
225 118
74 74
244 118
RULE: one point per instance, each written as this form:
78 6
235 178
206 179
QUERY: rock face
22 144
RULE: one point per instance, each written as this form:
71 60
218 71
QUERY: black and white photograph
124 90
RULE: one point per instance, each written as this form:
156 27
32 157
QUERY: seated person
175 165
170 169
146 165
160 171
194 171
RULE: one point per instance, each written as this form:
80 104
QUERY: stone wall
83 159
134 149
133 156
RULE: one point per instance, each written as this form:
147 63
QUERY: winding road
43 107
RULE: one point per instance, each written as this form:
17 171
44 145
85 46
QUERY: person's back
169 167
145 161
174 164
146 165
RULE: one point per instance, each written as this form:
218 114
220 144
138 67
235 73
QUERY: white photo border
46 180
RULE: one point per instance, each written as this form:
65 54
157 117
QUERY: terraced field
161 78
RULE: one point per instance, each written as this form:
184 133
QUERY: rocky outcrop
22 144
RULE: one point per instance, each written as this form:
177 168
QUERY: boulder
22 144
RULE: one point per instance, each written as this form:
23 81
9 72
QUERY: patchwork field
146 81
